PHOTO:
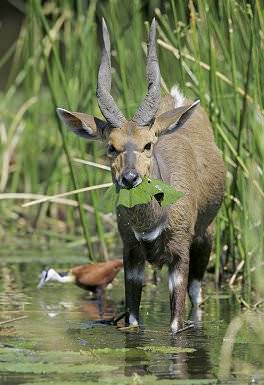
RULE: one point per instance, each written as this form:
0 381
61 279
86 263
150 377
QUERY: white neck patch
151 235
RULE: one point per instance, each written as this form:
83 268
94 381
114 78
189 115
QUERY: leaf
124 198
136 196
111 197
170 194
143 194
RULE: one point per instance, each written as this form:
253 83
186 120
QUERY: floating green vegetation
110 351
26 361
65 351
147 190
166 349
131 380
212 50
63 368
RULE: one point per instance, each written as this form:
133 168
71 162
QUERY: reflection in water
182 365
89 308
65 319
195 315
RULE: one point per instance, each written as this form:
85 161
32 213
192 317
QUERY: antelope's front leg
178 280
134 278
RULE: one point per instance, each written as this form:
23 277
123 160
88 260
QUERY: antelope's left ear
86 126
169 121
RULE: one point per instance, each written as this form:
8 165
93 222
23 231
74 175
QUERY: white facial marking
195 292
132 320
151 235
178 96
135 151
175 280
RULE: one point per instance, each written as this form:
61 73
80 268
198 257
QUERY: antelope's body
171 139
178 236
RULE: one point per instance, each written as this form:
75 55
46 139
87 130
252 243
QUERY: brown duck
93 277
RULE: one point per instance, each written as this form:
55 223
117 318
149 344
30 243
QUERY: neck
63 279
148 220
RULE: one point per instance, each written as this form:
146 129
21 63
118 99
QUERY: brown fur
171 139
189 160
183 153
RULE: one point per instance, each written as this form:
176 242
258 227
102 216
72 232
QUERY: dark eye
111 150
147 146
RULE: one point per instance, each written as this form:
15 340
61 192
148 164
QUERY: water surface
62 340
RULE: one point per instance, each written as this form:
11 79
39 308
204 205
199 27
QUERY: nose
130 178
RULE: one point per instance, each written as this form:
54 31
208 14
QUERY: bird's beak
42 279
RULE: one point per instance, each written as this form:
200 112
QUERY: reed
214 50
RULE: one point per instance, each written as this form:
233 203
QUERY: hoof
128 329
182 329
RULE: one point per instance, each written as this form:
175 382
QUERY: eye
111 150
148 146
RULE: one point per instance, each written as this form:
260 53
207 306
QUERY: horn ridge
105 101
147 110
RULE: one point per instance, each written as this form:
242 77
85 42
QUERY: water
62 342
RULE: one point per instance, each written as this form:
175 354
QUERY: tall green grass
213 50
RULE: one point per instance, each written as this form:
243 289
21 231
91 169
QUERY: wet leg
178 280
134 276
199 256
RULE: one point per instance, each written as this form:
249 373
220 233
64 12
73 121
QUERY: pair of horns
147 110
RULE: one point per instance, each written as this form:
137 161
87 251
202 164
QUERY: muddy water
62 341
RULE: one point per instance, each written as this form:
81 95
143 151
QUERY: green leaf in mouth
143 194
169 194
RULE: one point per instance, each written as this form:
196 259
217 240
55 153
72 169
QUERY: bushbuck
169 138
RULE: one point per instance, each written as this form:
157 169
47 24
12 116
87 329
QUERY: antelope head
129 142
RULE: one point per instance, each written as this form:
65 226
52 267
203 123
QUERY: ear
86 126
169 121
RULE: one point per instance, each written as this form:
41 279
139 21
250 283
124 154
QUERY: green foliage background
212 50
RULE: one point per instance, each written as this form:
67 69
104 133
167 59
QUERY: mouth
138 182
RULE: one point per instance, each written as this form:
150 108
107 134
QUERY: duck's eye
111 150
147 146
